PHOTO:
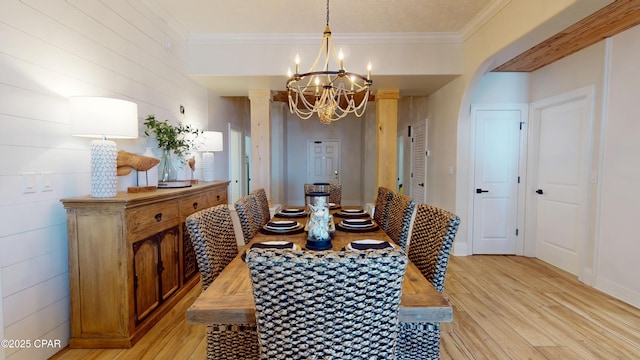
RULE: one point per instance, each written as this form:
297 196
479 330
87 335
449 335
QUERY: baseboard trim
618 291
460 248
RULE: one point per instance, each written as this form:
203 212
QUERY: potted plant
174 140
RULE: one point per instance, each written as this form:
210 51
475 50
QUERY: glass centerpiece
174 141
319 232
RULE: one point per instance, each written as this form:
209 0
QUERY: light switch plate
46 181
29 183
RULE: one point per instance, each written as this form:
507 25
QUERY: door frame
522 169
587 93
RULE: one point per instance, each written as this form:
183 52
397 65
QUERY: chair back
327 305
249 214
399 218
434 230
381 212
263 205
214 241
335 193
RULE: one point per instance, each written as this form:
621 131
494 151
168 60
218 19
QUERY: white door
419 163
563 130
496 180
323 161
235 164
247 165
400 164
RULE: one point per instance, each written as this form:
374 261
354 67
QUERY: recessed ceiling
309 16
198 17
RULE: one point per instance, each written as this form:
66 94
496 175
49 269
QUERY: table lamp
103 118
212 141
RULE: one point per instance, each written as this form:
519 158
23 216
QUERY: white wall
618 246
349 131
49 51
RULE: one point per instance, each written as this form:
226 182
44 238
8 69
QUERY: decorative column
261 140
386 137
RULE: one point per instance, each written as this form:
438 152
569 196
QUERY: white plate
354 223
352 211
292 211
366 242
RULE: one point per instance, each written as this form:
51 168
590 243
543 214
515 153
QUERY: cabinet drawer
192 204
156 217
217 197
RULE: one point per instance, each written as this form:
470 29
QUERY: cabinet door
169 265
146 284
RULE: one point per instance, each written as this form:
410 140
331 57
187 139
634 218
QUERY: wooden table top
229 299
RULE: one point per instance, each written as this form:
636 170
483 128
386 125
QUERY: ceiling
309 16
380 16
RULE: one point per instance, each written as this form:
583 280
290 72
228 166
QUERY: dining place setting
321 222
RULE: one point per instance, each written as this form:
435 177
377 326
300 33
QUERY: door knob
539 191
421 184
479 191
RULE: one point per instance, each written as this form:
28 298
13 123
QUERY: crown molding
487 13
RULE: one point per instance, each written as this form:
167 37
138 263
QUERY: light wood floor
505 307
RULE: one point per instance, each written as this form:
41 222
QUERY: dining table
229 298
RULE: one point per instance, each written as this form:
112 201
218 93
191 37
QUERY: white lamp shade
103 117
211 141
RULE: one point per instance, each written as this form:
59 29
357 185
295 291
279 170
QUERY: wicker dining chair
249 214
400 215
335 193
381 211
432 237
213 239
327 305
263 204
334 190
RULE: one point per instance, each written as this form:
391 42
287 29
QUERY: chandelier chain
327 12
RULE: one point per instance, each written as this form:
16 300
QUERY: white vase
149 177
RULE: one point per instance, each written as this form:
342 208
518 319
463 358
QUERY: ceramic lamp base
207 166
104 169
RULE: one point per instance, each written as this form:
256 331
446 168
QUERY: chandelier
332 94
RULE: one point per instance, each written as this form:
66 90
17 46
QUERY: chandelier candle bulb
369 71
297 64
341 58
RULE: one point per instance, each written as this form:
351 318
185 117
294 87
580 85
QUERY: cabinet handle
218 197
158 217
195 205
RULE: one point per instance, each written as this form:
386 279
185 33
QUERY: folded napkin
358 222
282 224
273 245
366 246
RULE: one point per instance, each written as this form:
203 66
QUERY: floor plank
505 307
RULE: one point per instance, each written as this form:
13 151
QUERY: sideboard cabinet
131 260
